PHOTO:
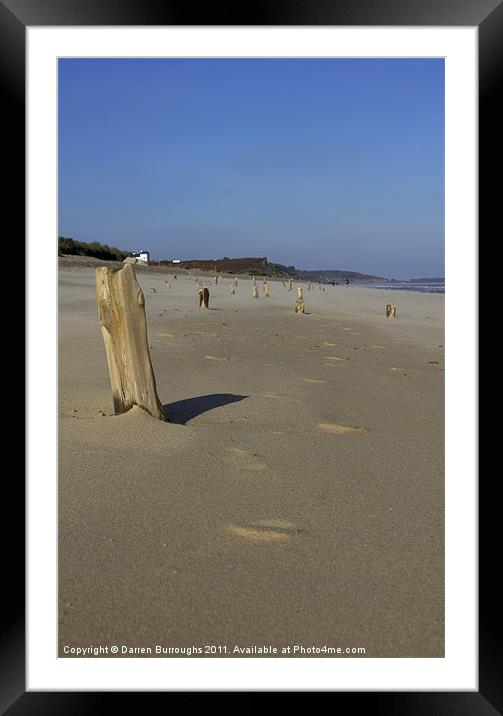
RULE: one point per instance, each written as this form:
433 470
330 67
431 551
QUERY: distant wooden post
266 289
232 289
121 308
299 303
289 284
204 297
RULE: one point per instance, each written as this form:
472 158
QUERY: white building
143 256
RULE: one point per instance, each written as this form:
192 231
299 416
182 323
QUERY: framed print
235 476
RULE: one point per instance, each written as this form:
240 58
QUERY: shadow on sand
184 410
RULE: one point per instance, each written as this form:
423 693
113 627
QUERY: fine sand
296 495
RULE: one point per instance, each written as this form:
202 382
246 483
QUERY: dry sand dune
296 494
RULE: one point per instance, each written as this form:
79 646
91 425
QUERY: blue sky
319 163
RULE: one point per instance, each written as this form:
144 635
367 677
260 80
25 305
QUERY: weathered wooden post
299 303
254 289
232 289
204 297
266 289
289 284
121 308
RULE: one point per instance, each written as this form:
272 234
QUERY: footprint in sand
266 530
223 360
340 429
166 335
279 396
245 460
332 358
325 343
314 380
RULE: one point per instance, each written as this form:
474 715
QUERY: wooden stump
299 303
266 289
232 289
390 310
121 308
204 297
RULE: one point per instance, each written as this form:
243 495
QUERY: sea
434 287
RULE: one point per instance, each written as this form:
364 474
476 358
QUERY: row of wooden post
121 309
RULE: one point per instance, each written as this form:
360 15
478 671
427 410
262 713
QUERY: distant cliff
254 266
427 280
258 266
337 275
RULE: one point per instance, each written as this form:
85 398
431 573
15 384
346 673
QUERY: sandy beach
295 496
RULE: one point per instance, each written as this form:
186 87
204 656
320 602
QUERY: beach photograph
251 358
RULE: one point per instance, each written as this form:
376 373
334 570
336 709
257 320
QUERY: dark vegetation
98 251
258 266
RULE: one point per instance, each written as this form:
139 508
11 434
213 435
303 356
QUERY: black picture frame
15 17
